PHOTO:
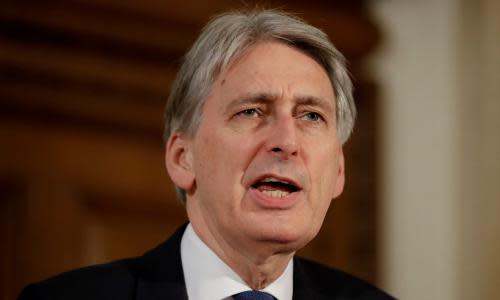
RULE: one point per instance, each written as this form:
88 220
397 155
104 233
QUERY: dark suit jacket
158 275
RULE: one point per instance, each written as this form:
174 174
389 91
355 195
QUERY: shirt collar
207 277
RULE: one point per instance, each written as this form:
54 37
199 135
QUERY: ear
179 161
339 184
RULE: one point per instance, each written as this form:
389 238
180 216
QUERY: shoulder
334 284
119 279
114 280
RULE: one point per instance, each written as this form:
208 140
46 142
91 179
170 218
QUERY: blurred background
82 180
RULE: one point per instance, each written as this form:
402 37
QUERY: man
254 130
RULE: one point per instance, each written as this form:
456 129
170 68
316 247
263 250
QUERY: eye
249 113
312 116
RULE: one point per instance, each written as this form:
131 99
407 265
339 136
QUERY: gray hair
226 37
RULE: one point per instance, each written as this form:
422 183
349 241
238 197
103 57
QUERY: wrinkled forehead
233 57
270 69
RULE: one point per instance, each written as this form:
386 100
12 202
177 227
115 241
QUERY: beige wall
439 71
480 185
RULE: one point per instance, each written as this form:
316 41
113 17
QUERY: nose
282 140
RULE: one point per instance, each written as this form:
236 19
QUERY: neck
259 264
257 272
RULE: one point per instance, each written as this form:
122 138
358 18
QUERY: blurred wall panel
82 90
438 71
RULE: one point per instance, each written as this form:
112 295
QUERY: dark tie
253 295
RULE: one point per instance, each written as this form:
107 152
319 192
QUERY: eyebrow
263 98
315 101
251 98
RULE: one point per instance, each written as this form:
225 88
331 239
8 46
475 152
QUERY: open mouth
274 187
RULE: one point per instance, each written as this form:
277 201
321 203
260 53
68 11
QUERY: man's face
266 159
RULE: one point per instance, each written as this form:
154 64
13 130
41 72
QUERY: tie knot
253 295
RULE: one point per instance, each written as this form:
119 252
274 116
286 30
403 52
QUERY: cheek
205 162
325 174
218 160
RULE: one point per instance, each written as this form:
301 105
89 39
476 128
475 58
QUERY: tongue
272 187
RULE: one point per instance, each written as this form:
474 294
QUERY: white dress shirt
207 277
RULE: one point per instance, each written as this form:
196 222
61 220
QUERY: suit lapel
160 291
159 271
303 288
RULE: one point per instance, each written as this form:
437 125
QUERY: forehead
274 68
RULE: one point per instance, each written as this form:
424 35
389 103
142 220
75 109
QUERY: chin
289 236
